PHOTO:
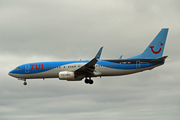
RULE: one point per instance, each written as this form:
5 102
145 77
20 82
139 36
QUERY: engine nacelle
66 75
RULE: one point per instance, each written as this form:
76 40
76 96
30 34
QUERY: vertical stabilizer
156 47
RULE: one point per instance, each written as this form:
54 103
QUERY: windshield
17 68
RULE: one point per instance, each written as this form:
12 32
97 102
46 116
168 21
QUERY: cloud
33 31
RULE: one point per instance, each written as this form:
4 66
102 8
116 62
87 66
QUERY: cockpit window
17 68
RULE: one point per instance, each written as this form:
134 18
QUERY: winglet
98 55
121 57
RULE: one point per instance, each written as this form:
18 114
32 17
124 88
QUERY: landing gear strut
88 81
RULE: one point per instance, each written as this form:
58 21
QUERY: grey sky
51 30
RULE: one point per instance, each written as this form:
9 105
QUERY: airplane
77 70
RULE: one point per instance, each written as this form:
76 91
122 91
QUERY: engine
66 75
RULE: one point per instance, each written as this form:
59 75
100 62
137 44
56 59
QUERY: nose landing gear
25 83
23 79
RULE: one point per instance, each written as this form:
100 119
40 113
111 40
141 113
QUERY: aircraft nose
11 73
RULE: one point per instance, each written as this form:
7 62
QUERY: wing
89 68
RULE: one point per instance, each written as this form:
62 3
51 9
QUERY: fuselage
102 68
77 70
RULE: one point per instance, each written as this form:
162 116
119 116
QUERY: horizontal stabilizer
159 59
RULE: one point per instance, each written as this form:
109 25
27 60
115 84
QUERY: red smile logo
155 51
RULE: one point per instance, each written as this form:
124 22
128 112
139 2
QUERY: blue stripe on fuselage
32 68
39 67
126 64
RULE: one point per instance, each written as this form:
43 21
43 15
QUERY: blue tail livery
155 48
86 69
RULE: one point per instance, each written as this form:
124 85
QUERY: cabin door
138 64
27 67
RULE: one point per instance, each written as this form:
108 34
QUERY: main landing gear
88 81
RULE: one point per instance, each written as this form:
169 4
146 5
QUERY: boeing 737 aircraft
77 70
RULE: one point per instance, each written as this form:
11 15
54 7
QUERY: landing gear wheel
25 83
86 81
91 81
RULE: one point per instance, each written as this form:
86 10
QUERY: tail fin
155 48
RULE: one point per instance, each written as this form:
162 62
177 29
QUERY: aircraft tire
25 83
86 81
91 81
